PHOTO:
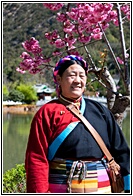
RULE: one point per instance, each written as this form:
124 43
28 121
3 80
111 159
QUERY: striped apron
68 176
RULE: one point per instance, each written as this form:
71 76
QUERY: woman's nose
77 79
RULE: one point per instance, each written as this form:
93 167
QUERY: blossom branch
123 47
109 46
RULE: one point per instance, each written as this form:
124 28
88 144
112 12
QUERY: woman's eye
82 76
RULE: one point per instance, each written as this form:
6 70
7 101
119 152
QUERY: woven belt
82 171
85 159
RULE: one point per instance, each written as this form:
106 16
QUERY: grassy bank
20 108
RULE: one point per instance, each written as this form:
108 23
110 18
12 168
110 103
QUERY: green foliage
5 93
53 94
16 95
5 90
20 92
28 92
14 180
126 127
5 97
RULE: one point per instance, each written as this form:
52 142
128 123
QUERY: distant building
43 91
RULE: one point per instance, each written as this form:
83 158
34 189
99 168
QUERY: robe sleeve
36 163
119 147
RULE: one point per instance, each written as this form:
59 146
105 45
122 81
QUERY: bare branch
90 58
109 46
123 47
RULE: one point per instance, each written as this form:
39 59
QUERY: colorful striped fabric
67 176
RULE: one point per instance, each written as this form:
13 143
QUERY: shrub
29 93
16 95
5 97
14 180
5 93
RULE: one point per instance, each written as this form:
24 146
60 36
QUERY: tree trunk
120 105
116 102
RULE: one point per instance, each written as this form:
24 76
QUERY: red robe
47 124
51 120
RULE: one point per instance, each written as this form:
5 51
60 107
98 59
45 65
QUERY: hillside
20 22
24 20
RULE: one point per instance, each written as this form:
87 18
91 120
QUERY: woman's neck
70 99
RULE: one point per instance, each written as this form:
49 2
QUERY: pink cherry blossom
34 71
59 43
61 17
84 39
48 36
126 10
32 45
46 60
120 60
56 53
72 48
128 16
97 30
127 55
73 14
97 36
108 6
27 62
70 40
105 26
53 6
79 24
115 21
52 35
68 26
112 15
20 70
24 55
75 53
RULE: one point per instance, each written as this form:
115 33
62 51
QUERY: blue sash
61 137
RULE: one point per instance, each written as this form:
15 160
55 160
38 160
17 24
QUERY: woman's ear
58 79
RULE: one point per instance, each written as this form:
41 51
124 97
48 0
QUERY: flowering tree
82 24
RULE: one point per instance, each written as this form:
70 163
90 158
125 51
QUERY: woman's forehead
75 68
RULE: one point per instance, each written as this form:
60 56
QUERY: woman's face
72 81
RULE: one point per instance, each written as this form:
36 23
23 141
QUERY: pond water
15 136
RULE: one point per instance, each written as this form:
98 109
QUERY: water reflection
15 136
126 127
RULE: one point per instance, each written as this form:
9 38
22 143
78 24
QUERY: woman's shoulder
48 109
94 102
96 105
51 106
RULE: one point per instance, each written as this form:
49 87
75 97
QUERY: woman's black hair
67 63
